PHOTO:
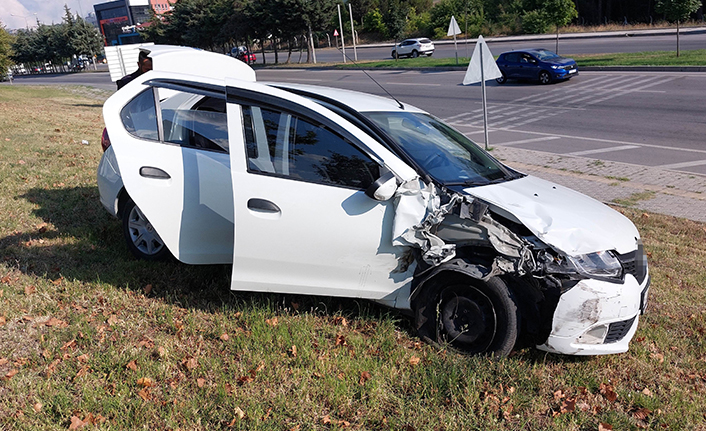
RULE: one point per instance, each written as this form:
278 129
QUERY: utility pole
340 25
355 51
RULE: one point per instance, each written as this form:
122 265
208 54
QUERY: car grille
569 67
618 330
635 263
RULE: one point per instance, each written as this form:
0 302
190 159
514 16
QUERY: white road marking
413 83
527 141
682 165
604 150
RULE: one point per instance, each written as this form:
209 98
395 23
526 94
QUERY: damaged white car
321 191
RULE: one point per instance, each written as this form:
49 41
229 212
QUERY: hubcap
467 319
142 234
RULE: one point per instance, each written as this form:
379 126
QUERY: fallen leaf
641 414
292 352
145 382
200 382
147 289
244 379
340 340
326 420
229 388
414 360
54 322
224 337
4 361
82 358
657 356
69 345
272 322
340 321
132 365
30 289
2 320
82 372
239 412
37 407
144 394
57 281
11 373
608 392
647 392
558 395
76 423
604 427
569 405
364 377
583 406
190 363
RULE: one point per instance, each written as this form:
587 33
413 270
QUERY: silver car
413 48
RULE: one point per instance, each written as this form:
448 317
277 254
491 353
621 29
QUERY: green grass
634 198
138 345
651 58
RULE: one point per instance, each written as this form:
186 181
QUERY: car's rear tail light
105 140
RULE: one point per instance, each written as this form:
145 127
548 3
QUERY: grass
634 198
650 58
89 335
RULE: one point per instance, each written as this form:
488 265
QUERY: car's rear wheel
502 79
468 315
544 77
415 54
394 54
142 240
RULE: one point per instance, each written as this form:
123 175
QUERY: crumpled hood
562 218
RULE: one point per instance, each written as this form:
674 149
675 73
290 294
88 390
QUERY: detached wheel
502 79
470 316
544 77
415 54
142 240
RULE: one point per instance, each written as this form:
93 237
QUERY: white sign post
340 25
453 31
482 67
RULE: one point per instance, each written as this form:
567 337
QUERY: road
566 47
647 118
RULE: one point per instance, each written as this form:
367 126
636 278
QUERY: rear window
140 116
425 40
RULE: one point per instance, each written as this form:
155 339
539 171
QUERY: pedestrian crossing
560 100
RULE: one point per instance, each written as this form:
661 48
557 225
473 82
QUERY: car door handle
263 205
150 172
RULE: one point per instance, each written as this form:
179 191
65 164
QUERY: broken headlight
602 264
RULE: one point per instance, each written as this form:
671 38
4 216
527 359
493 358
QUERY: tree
677 10
5 50
559 13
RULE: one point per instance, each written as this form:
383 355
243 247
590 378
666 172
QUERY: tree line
58 44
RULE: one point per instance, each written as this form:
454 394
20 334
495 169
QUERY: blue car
536 64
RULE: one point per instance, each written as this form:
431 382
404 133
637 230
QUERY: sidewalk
650 189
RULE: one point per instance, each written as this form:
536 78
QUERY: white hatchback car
413 48
321 191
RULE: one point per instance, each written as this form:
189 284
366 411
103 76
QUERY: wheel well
122 199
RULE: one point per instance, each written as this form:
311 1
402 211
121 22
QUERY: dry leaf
82 372
569 405
558 395
83 358
30 289
11 373
2 320
37 407
414 360
200 382
145 382
340 340
144 394
224 337
76 423
292 352
604 427
641 414
244 379
657 356
69 345
132 365
272 322
608 392
239 412
326 420
4 361
147 289
364 377
190 363
340 321
54 322
647 392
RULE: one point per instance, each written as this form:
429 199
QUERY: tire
394 54
415 54
142 240
501 80
470 316
544 77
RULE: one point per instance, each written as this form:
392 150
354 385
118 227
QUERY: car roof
528 51
197 62
361 102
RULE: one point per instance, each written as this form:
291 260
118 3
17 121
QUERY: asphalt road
648 118
566 47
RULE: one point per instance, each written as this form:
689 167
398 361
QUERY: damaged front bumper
597 317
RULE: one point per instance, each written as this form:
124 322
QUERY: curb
643 68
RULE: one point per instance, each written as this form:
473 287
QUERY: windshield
445 154
546 55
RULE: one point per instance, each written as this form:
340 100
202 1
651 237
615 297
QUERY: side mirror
383 188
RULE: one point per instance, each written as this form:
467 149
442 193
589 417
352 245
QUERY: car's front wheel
142 240
502 79
468 315
544 77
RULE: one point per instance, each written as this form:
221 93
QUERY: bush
372 23
535 22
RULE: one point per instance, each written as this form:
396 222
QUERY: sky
48 11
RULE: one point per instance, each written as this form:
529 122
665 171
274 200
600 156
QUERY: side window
512 58
195 121
283 144
140 117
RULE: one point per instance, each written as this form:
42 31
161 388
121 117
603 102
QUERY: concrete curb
643 68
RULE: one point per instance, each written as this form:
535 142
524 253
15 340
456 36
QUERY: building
161 6
118 20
